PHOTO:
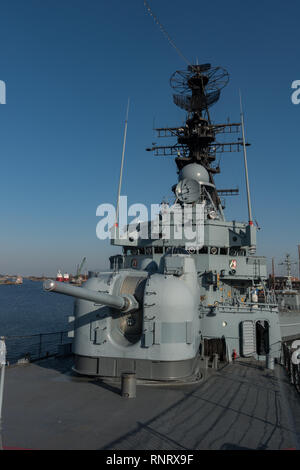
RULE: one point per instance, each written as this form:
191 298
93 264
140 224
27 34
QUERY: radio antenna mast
122 165
245 164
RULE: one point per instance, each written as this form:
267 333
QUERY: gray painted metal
2 376
215 361
144 369
167 293
128 385
118 302
180 304
270 362
243 406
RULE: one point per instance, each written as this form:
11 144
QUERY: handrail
35 346
292 369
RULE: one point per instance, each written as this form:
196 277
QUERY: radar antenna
198 88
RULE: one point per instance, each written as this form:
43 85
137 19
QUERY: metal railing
35 347
242 307
292 369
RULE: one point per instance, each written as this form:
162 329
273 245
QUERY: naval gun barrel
124 303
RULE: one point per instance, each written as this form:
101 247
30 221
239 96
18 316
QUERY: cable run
164 32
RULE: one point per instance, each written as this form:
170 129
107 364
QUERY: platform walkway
242 406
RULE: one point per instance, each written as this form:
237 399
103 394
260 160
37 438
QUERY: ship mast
246 164
197 89
288 263
122 165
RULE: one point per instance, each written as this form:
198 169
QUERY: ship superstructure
166 296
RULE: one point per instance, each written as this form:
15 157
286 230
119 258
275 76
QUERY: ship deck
241 406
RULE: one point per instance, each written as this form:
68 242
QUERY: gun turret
125 303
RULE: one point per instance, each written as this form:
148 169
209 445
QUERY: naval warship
178 316
288 296
167 297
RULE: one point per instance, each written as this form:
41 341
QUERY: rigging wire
172 43
165 33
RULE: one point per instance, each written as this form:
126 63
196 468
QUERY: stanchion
2 366
269 362
215 361
128 385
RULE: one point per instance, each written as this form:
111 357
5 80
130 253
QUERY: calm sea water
27 309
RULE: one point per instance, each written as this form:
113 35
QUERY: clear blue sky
69 67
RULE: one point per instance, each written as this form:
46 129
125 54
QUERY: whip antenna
122 165
164 32
245 164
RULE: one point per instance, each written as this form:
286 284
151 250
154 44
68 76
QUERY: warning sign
233 264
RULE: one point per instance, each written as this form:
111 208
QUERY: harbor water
26 310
